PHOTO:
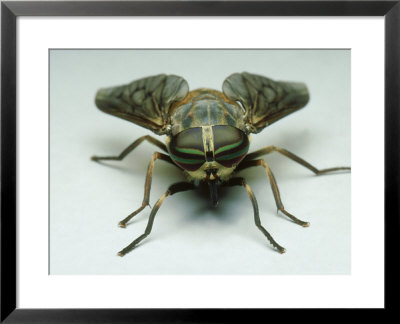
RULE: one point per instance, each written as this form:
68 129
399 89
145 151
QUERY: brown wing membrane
145 102
264 100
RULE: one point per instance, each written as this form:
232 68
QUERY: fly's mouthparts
213 186
211 174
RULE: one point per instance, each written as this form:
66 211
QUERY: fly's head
208 154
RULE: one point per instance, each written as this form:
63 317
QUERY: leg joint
262 163
156 155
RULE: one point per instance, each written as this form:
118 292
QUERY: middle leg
147 186
274 187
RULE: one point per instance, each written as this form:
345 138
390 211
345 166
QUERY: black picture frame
11 10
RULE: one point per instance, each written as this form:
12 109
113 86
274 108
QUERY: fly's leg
131 147
270 149
242 182
147 186
177 187
274 187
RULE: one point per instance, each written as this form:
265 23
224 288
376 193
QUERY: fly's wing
145 102
265 101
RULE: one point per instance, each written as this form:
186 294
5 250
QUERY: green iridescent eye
186 149
230 145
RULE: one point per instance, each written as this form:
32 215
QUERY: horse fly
207 133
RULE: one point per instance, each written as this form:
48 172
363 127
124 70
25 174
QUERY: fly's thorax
208 153
206 107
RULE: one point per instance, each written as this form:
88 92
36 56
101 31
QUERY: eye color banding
228 147
186 149
188 161
231 145
189 151
233 155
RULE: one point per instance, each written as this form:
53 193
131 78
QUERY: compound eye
230 145
186 149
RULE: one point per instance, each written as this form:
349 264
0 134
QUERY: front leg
242 182
177 187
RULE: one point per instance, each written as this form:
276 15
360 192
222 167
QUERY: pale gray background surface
88 199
